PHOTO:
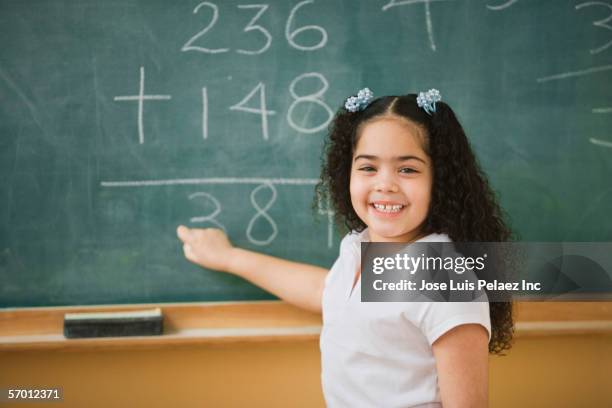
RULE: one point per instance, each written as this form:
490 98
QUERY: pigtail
465 207
333 186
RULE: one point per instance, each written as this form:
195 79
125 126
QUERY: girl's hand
207 247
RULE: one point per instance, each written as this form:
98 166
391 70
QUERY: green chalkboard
121 120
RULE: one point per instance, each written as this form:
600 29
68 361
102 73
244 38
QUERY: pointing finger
183 233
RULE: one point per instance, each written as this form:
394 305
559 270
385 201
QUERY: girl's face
391 179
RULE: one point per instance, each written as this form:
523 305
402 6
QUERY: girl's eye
367 168
407 170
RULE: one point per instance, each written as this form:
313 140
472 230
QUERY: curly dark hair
463 206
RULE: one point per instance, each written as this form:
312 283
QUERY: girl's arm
297 283
462 361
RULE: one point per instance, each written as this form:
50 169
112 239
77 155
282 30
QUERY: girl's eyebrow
396 158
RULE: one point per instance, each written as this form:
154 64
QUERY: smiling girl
397 169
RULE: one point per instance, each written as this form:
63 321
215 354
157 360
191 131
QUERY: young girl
397 169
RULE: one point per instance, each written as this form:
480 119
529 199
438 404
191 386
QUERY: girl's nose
386 184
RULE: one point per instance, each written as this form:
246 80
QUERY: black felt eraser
114 324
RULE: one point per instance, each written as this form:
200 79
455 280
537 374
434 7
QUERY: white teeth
388 208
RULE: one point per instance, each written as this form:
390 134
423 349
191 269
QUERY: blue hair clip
427 100
359 102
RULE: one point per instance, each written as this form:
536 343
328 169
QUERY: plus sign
141 97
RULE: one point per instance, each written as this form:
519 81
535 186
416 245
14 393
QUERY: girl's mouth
387 210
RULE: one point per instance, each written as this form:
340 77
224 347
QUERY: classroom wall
547 371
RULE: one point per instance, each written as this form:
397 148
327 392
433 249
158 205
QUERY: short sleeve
439 317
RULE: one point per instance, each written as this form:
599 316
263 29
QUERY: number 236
290 34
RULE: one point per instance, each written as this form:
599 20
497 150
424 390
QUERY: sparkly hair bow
427 100
359 102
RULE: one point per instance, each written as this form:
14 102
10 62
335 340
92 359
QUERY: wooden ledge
184 323
261 321
562 318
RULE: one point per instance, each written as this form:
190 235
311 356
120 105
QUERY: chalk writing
252 27
311 98
215 15
600 142
324 208
428 22
141 97
261 110
502 6
601 23
582 72
261 213
211 217
291 34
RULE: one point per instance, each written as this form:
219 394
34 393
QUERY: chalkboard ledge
261 321
184 323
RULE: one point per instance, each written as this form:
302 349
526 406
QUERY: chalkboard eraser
112 324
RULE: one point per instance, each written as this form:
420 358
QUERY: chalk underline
212 180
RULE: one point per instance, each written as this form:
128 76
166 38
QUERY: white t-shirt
379 354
